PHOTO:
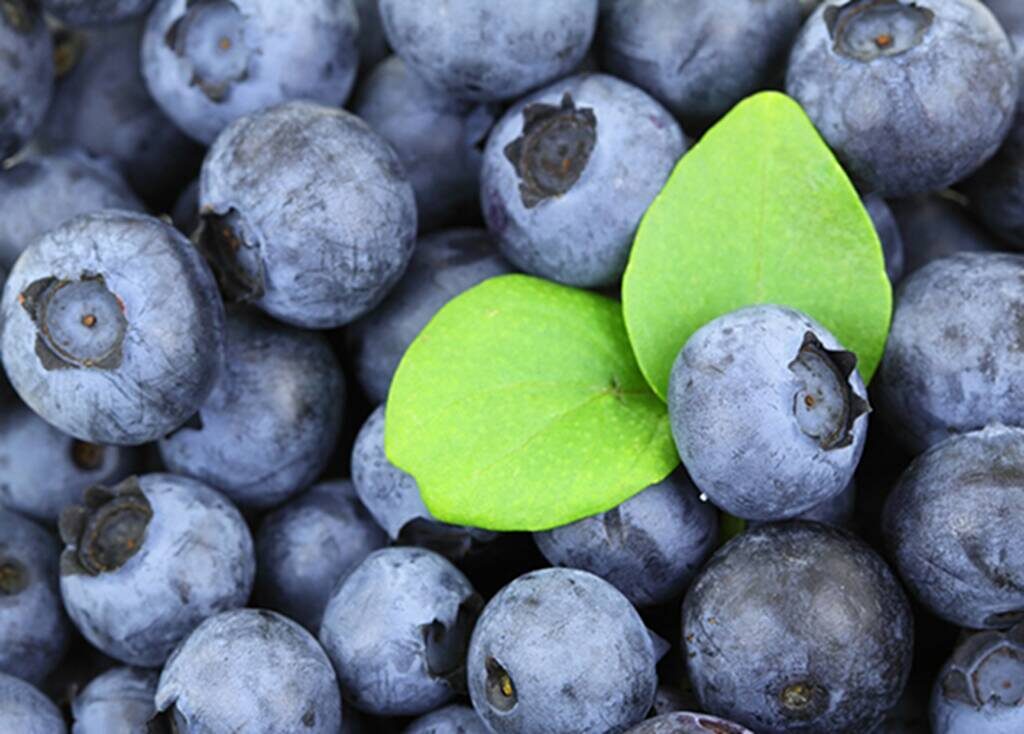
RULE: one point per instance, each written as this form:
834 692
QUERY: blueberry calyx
13 577
865 30
445 646
826 406
803 700
986 668
224 241
107 530
501 691
79 323
556 144
210 37
87 456
18 15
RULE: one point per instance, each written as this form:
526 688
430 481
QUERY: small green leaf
521 407
759 211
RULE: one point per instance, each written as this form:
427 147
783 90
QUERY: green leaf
521 407
759 211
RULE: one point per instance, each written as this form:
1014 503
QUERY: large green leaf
759 211
521 407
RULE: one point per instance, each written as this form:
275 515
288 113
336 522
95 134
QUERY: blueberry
981 688
683 722
397 628
252 671
768 412
112 328
43 192
477 50
438 138
373 46
798 627
936 226
649 547
23 709
120 700
888 233
569 171
148 560
1010 13
101 104
911 96
835 511
95 12
209 62
443 265
34 631
393 498
42 470
698 58
261 180
453 719
952 362
268 428
952 525
26 66
305 547
185 213
560 650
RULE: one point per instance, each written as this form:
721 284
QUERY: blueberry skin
836 511
1010 14
698 59
397 628
23 709
475 50
45 191
392 497
952 362
911 98
936 226
560 650
43 470
888 233
438 138
650 547
453 719
210 62
952 526
306 546
683 722
260 181
119 701
185 213
798 627
151 354
34 630
981 688
576 226
443 265
191 558
269 426
101 105
95 12
26 66
250 670
768 412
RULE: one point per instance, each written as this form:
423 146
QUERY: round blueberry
95 12
185 213
112 328
306 546
768 412
453 719
697 58
888 234
34 631
148 560
981 688
252 671
397 628
934 226
1010 14
477 50
43 470
209 62
26 66
120 700
952 361
269 426
393 498
23 709
912 96
261 180
798 627
649 547
443 265
953 523
683 722
560 650
569 171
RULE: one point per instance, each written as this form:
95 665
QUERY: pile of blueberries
223 223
